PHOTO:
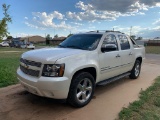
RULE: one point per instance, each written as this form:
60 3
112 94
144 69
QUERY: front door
110 62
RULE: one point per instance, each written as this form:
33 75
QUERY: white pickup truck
73 69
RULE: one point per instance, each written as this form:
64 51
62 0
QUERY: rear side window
124 42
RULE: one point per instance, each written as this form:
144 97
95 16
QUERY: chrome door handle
118 56
130 54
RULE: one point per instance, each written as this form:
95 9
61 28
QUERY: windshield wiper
72 46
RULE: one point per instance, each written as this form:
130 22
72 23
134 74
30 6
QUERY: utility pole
54 31
131 31
28 38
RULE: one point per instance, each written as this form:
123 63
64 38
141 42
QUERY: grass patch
153 49
9 62
147 107
11 49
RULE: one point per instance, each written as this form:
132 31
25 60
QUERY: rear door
127 54
110 62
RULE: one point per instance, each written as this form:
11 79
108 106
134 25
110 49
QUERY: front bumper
52 87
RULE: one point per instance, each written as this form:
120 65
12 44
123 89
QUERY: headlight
53 70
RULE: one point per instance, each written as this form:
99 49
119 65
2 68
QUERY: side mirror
109 47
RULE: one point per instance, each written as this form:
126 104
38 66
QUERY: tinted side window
124 42
110 39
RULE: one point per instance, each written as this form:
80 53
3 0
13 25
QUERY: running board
105 82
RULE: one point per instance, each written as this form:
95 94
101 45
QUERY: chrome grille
32 63
29 71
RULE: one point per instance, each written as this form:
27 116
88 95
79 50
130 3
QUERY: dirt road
17 104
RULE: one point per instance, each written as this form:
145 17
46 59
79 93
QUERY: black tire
136 70
80 87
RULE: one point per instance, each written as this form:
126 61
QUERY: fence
153 43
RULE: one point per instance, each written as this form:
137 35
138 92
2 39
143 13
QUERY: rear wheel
81 89
136 70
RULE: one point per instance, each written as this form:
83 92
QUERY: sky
62 17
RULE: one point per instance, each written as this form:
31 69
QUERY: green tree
9 37
4 22
56 36
139 38
48 37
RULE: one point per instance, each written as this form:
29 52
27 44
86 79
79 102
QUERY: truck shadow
22 104
43 101
54 103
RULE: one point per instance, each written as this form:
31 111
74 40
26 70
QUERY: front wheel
81 89
136 70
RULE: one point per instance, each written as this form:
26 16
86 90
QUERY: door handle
130 54
118 56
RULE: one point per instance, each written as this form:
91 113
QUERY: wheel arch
91 70
139 58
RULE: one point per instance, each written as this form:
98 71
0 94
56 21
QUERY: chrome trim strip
108 68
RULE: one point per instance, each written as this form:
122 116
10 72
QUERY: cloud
107 10
110 9
92 27
91 11
26 18
45 16
76 23
157 28
84 7
122 6
42 20
157 22
73 15
88 13
34 26
146 32
135 30
21 35
150 2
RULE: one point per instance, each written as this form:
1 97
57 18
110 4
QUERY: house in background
16 42
33 39
57 40
37 39
149 42
156 38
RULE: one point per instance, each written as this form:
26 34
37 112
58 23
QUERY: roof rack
106 31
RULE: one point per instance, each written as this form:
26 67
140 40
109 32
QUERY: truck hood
50 55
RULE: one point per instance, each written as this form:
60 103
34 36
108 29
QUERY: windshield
82 41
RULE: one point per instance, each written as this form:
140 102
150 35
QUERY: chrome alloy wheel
137 69
84 90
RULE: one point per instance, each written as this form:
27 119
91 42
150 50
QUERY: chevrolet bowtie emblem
26 66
